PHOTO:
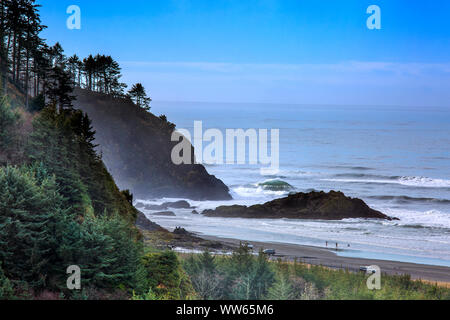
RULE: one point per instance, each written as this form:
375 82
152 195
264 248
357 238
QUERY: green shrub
8 122
37 103
165 276
6 289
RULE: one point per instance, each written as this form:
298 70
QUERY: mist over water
396 159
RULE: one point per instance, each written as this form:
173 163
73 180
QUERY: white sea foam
429 218
406 181
256 192
424 182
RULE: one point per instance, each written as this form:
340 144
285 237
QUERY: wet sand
329 258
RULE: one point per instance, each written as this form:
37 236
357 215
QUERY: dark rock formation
136 147
166 205
185 239
177 205
181 231
313 205
180 237
164 213
153 207
145 224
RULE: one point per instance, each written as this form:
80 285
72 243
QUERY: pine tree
52 143
8 122
138 95
89 70
207 262
281 289
4 30
27 215
6 288
59 88
263 276
73 64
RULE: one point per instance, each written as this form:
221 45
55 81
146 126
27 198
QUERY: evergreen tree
281 289
6 288
59 88
4 30
52 143
138 95
27 215
89 70
8 122
263 276
247 277
207 262
20 26
30 41
73 64
37 103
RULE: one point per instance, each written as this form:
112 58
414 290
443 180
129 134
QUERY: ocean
397 159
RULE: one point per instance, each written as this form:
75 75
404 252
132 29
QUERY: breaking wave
422 182
406 199
275 185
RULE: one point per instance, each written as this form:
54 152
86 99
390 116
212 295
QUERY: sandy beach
329 258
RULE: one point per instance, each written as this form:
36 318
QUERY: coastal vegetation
244 276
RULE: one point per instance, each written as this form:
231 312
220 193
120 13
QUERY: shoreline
328 258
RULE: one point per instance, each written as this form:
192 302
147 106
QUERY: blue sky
288 51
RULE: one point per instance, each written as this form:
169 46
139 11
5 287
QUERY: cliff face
136 147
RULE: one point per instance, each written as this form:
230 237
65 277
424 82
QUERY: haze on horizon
275 51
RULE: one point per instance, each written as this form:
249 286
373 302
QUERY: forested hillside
136 147
59 206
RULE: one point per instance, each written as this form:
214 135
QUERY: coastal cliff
136 148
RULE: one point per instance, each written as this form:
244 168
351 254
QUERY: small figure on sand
336 246
326 243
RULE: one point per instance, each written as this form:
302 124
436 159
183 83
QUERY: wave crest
421 182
